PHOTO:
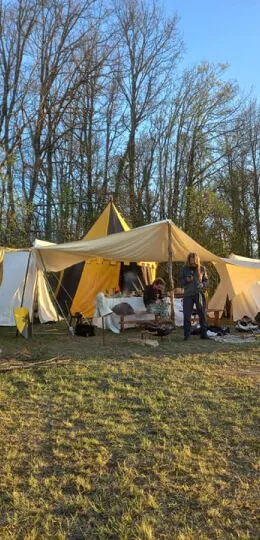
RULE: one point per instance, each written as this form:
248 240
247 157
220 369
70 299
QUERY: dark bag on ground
83 329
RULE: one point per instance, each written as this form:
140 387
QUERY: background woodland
94 101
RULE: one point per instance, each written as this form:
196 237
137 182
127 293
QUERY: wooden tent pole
24 286
25 279
170 255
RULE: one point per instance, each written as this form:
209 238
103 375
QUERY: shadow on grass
54 342
126 442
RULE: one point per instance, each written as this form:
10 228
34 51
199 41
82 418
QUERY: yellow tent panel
80 283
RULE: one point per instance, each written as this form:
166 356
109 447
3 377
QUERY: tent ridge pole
170 256
24 286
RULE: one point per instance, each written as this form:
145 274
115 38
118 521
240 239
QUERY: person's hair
159 281
197 262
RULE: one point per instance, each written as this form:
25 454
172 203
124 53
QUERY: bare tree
253 123
58 37
148 48
17 21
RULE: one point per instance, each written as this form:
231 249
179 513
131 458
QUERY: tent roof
148 243
109 222
243 262
253 263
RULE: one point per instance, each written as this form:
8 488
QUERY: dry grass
124 442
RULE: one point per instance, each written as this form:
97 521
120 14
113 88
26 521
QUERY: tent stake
170 255
103 330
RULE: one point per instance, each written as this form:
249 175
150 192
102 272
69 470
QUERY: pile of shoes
211 334
246 325
212 330
219 330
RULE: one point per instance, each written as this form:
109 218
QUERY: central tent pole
170 255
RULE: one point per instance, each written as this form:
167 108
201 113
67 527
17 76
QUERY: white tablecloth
138 306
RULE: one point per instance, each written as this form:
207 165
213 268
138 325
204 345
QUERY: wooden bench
216 315
215 321
137 321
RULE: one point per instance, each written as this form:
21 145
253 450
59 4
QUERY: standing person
153 298
194 280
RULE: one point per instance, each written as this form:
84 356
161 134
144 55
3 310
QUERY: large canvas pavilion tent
23 284
158 242
80 283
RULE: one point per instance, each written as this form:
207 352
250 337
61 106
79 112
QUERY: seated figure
153 298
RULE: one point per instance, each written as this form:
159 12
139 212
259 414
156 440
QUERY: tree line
94 101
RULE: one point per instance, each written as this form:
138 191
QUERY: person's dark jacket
151 295
191 288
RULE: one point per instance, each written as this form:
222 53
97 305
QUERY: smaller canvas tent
240 282
22 279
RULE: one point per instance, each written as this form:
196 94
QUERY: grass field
128 442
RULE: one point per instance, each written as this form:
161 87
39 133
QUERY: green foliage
103 105
209 220
13 233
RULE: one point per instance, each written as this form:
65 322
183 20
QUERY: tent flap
12 288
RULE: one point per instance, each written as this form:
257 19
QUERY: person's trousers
200 303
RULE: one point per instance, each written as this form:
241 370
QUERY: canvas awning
151 243
148 243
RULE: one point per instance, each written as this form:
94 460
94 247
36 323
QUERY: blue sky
222 31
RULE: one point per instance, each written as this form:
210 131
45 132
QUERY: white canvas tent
246 260
240 281
21 275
